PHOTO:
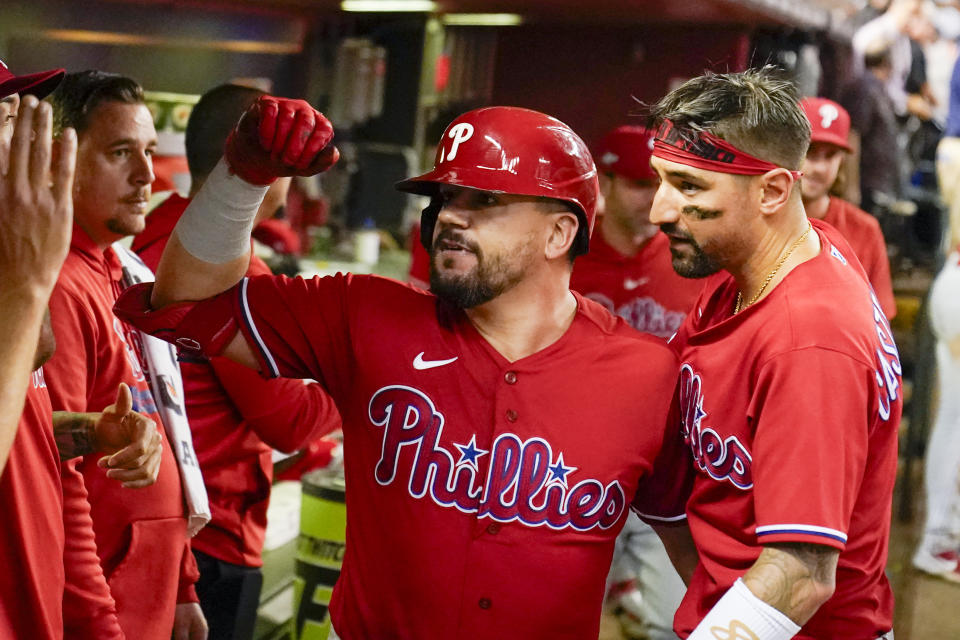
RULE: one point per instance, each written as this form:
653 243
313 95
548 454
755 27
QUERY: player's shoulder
857 217
388 290
829 305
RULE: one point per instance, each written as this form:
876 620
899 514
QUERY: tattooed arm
794 578
75 433
131 439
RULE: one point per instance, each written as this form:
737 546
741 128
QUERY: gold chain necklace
763 287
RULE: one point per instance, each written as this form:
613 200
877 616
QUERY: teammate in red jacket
237 418
790 381
141 536
493 434
829 133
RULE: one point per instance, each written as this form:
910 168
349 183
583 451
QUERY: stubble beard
698 265
489 278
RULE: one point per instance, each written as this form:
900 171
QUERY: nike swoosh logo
420 364
630 284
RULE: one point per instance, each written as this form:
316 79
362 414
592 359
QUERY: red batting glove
280 137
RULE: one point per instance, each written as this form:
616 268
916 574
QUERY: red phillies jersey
643 289
140 534
31 530
790 409
237 418
419 274
483 496
862 231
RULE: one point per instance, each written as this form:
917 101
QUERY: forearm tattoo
786 572
74 434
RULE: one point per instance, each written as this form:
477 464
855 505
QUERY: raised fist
280 137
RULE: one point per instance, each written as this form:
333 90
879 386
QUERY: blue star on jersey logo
699 413
469 452
560 471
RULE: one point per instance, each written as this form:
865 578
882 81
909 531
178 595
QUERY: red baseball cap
626 151
829 122
37 84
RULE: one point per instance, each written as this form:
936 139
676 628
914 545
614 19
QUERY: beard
489 278
699 264
125 225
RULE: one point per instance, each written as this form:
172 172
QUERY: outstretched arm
209 250
36 211
210 247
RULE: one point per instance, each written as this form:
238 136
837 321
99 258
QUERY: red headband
706 151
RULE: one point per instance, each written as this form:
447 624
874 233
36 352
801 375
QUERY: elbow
822 589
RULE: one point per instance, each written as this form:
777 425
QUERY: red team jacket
237 418
643 289
484 496
862 231
790 410
31 530
140 534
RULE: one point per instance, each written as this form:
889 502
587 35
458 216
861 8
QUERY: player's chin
456 260
127 223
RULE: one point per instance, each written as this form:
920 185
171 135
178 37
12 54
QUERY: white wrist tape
216 226
741 615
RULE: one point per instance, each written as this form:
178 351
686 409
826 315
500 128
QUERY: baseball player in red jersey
493 425
829 133
40 545
141 537
628 269
789 383
236 417
32 216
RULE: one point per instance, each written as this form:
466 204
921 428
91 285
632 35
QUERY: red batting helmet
829 122
626 151
516 151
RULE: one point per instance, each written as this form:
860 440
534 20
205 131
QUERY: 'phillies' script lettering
524 481
723 459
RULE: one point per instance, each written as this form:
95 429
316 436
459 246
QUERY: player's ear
606 181
775 189
563 231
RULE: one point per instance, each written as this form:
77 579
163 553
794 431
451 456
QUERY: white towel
163 372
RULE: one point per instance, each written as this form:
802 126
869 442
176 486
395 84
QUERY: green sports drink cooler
320 547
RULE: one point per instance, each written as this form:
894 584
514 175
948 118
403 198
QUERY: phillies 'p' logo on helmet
516 151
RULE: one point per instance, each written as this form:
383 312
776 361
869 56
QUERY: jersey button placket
511 415
485 603
510 377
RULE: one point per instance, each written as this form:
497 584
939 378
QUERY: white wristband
216 225
740 614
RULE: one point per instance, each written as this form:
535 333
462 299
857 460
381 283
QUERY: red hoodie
236 418
141 535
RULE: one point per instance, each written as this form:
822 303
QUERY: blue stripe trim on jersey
248 320
806 529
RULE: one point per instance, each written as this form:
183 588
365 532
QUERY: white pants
640 555
942 473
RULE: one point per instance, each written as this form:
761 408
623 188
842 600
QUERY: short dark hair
876 58
81 92
757 111
211 120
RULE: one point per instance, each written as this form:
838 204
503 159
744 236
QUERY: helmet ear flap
428 220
